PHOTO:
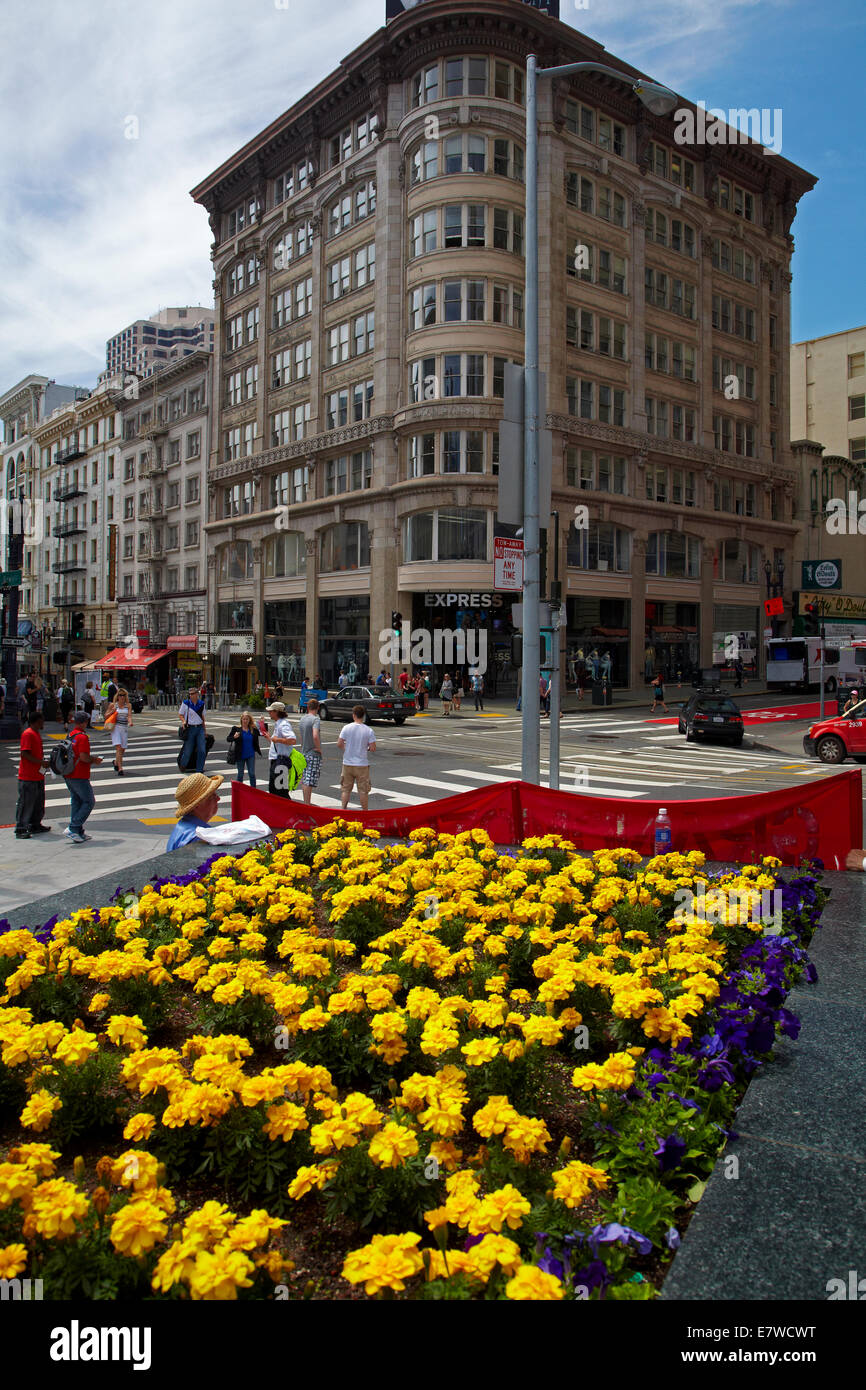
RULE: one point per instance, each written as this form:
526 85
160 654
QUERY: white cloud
97 230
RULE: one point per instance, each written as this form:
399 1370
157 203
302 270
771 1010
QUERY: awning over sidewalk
130 659
86 666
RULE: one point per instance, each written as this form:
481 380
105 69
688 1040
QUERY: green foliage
89 1093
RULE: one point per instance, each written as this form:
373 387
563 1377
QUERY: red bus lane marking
788 712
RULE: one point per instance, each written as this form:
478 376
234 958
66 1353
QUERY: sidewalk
795 1217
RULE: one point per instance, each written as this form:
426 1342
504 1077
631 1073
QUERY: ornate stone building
369 281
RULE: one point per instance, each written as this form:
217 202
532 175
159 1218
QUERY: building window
349 403
345 546
673 555
285 556
600 546
235 562
349 473
445 535
856 407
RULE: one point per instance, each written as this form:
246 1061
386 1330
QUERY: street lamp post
660 100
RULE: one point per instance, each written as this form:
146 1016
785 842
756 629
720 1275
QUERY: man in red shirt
78 781
31 782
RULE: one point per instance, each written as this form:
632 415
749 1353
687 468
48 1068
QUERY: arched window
235 562
285 556
345 546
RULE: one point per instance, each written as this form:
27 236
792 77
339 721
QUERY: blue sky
97 230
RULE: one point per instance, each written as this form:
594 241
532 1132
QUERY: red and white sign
187 643
507 563
772 606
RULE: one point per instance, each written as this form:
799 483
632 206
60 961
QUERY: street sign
16 641
821 574
10 579
773 607
507 563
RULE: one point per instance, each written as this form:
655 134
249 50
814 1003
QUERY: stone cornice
303 449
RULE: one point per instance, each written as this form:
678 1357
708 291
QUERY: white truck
795 662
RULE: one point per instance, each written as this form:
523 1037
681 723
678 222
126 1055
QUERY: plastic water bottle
662 833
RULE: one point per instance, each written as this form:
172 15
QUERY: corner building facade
369 280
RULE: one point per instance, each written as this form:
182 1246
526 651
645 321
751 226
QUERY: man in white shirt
356 742
281 741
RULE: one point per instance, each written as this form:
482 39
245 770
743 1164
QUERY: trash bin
601 693
49 708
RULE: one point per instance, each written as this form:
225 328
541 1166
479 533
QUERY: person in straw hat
197 798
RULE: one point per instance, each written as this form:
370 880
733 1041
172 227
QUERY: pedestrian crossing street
589 766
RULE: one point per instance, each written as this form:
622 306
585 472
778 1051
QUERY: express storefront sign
453 599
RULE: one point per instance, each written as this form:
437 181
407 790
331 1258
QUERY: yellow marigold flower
506 1206
392 1146
13 1259
513 1049
205 1228
55 1208
39 1109
172 1267
491 1251
572 1183
98 1003
139 1127
16 1183
525 1137
590 1077
39 1158
218 1274
447 1155
481 1051
312 1020
136 1169
531 1284
255 1229
228 993
619 1071
76 1047
546 1031
137 1227
127 1031
284 1121
493 1117
386 1263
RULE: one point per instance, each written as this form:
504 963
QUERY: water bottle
662 833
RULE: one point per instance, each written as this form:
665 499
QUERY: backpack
297 768
62 758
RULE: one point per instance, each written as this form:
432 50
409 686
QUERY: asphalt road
604 752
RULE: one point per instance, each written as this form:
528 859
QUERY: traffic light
517 649
811 624
76 627
397 622
59 658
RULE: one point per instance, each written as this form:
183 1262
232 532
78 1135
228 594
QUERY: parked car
379 701
709 715
840 737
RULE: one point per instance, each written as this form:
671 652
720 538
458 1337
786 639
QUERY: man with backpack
78 777
280 779
31 782
478 690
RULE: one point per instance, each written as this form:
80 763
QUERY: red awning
122 657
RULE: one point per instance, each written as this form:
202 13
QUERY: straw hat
276 708
193 790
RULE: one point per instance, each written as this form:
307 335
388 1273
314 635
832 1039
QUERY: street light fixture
659 100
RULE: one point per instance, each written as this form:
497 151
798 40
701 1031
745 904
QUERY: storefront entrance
457 632
597 639
672 641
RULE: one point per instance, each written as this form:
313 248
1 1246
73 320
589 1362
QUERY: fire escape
71 557
150 594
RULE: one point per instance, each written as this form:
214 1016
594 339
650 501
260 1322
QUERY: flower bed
482 1074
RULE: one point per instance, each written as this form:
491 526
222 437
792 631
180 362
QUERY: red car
843 736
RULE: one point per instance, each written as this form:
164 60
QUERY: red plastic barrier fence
822 820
